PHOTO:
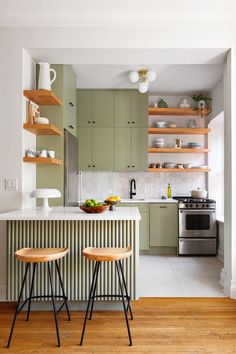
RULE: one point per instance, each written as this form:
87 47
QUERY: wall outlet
11 184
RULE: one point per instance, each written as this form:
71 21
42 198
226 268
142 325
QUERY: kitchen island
73 228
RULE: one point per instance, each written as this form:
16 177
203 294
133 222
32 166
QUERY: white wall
12 42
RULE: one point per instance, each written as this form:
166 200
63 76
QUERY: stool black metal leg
31 291
89 300
63 291
123 300
17 306
126 291
94 290
54 306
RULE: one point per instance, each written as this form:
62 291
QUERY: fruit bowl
96 209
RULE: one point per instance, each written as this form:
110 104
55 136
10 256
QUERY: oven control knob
186 205
196 205
203 205
208 205
191 205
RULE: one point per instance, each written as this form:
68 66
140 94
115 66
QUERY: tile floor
171 276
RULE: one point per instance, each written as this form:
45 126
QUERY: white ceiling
174 79
116 13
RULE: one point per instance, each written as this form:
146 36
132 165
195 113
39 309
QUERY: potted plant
202 101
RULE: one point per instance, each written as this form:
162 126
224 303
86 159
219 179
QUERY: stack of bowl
161 124
195 145
159 143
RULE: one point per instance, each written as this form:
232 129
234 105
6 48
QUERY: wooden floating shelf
174 150
178 170
42 160
176 111
42 129
43 97
192 131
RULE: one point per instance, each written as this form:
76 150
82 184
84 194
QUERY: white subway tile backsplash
149 185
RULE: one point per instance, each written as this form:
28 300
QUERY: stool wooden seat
32 257
108 254
40 255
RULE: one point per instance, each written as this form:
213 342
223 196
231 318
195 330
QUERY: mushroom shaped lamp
45 193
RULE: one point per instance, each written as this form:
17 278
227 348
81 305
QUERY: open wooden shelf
178 170
175 150
190 131
42 129
176 111
42 160
43 97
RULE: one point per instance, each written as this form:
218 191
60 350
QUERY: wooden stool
108 255
35 256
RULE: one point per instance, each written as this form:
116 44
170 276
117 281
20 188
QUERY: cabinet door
84 108
144 232
85 149
139 149
102 154
122 149
139 109
122 109
102 108
163 225
69 99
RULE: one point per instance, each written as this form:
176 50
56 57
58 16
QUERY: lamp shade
134 76
151 75
143 87
45 193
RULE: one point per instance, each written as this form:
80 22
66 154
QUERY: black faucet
132 185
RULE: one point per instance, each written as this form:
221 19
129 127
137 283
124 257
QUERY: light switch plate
11 184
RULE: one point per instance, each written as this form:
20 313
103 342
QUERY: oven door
197 223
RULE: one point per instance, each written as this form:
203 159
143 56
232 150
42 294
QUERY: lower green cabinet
95 149
143 225
163 225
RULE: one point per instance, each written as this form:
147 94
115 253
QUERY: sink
132 200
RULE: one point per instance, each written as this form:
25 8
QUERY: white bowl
161 124
41 120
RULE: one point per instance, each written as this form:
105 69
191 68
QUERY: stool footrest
41 297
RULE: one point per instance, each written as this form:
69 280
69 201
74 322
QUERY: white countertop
149 200
71 213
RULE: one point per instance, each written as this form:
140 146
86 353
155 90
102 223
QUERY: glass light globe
151 75
143 87
134 76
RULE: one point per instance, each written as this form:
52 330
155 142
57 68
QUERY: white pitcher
45 80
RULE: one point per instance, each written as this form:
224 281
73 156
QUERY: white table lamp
45 193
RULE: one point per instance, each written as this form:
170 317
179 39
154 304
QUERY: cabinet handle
163 207
128 166
94 166
133 166
94 122
89 122
89 165
128 122
71 104
133 122
71 126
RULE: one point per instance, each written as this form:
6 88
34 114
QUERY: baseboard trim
220 254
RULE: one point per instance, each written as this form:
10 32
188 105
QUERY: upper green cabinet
130 109
95 108
163 225
69 99
130 150
95 149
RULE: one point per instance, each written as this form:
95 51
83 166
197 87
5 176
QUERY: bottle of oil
169 192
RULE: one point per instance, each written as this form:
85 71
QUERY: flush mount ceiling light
144 76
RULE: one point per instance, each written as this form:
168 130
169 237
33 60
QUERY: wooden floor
161 325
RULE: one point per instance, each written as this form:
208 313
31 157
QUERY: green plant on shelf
202 102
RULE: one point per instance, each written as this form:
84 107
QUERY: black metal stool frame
19 306
124 296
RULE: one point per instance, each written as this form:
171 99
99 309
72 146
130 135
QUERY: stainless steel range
197 226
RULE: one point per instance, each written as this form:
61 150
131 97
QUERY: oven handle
208 211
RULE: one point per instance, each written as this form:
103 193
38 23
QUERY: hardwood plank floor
161 325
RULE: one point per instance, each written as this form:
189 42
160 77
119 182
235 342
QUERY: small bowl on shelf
161 124
96 209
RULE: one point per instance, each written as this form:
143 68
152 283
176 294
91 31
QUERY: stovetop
195 203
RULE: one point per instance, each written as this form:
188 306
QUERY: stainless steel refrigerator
71 184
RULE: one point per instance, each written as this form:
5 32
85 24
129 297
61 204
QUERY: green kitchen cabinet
122 149
139 109
69 99
122 108
95 149
143 225
139 149
131 149
103 108
84 108
163 225
95 108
